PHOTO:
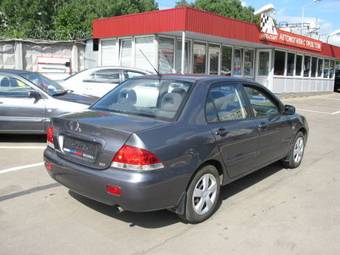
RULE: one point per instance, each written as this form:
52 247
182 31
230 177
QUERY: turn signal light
50 132
134 158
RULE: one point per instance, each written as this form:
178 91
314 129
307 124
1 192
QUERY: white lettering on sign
270 33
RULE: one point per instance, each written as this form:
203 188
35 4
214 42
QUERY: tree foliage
229 8
61 19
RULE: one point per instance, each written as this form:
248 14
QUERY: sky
326 12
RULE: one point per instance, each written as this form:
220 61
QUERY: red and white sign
270 33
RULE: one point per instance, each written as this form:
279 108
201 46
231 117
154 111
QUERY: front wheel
202 195
295 155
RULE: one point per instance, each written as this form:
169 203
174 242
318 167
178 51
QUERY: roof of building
193 20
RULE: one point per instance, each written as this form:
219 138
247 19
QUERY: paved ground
273 211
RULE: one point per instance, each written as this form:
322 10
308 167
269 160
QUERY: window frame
268 94
22 96
284 64
88 80
238 86
269 52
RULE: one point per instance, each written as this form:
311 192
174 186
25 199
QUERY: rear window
161 99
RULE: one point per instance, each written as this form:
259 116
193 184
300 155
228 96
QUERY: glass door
263 67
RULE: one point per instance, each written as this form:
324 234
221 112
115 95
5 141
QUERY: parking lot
273 211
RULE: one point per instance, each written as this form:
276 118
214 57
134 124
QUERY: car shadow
158 219
23 138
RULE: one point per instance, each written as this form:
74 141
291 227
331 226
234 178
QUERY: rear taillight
134 158
50 132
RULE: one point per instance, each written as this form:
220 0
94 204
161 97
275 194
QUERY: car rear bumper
140 192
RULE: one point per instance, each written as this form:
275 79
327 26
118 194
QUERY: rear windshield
161 99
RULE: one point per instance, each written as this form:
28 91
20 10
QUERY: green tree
61 19
182 3
25 18
229 8
74 19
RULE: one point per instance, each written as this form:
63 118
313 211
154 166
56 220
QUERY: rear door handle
221 132
1 102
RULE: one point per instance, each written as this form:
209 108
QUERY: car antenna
154 68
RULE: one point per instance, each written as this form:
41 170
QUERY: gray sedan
170 142
28 100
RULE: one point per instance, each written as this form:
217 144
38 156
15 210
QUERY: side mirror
289 110
34 94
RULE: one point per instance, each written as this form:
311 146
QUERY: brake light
50 132
134 158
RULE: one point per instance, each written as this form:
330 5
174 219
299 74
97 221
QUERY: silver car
28 100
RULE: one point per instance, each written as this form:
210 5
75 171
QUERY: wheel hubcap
298 150
204 194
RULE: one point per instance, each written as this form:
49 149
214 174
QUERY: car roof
120 68
194 78
14 71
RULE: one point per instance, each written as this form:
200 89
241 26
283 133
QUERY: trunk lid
92 138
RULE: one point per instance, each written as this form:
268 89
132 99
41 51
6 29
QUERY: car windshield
161 99
47 85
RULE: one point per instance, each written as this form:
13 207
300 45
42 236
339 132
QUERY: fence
55 59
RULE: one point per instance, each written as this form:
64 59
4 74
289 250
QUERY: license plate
80 149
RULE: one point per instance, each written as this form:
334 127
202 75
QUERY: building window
248 63
200 57
263 63
126 52
320 67
326 69
298 65
145 45
108 52
290 64
187 57
166 51
237 70
227 53
214 56
279 64
306 66
314 66
332 69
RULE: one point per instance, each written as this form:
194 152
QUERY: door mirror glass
289 109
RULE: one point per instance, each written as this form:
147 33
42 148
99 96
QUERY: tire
295 155
202 195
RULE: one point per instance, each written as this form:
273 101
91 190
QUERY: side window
261 103
225 103
12 87
104 76
131 74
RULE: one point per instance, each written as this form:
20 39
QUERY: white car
98 81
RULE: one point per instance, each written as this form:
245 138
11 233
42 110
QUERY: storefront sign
270 33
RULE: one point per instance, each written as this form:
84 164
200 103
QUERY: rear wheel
202 195
295 155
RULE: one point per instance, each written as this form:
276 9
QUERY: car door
229 120
21 107
102 81
274 128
